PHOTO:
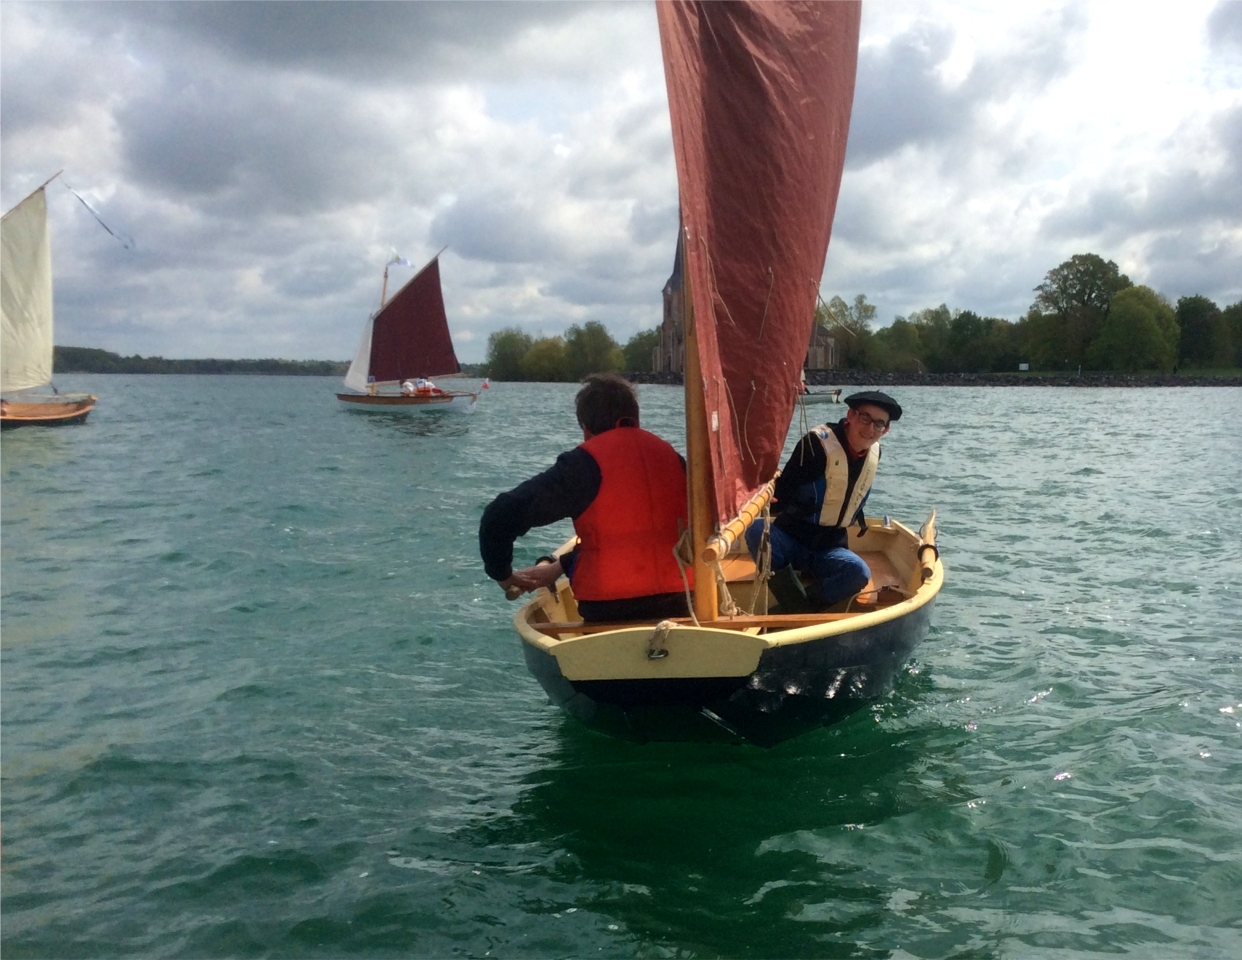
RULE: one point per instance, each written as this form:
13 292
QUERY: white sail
26 296
360 369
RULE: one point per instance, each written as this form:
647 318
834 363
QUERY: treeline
589 348
1086 314
91 360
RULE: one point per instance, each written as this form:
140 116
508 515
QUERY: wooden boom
719 546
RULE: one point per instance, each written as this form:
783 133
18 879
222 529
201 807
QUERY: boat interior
892 552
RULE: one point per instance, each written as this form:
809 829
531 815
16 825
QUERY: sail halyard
26 296
760 95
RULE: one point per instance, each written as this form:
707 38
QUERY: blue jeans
836 574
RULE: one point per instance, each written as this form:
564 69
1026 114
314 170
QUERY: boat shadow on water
714 848
425 424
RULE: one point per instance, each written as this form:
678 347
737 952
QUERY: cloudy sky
268 157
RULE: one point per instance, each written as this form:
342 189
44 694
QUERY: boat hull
450 400
51 413
744 678
795 688
819 398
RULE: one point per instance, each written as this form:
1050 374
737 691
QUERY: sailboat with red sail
404 344
760 95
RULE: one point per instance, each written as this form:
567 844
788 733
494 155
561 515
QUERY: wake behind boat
26 301
760 95
404 344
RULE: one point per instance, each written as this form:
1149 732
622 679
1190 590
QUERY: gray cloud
902 97
1224 25
267 157
260 146
372 41
1168 199
899 97
496 227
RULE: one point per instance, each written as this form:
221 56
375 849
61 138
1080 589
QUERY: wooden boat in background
26 307
406 339
760 116
818 396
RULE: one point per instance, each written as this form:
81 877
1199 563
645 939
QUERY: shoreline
825 378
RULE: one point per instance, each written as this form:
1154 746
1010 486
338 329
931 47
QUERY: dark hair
606 400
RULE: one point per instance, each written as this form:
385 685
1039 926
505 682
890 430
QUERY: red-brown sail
410 335
760 95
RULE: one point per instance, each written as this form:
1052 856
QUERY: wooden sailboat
406 340
26 298
760 95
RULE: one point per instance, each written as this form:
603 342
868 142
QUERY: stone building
670 353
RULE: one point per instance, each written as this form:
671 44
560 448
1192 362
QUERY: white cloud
267 157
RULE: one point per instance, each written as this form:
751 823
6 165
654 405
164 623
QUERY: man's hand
530 578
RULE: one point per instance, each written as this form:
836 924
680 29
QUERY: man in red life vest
625 489
821 491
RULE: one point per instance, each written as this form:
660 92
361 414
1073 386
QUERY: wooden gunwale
782 629
380 400
52 412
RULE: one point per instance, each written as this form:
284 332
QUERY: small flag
399 260
126 241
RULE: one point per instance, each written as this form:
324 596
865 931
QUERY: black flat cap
876 399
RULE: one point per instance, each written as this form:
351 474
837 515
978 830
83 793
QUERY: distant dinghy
26 344
406 340
820 396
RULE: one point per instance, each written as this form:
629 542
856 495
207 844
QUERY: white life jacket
834 511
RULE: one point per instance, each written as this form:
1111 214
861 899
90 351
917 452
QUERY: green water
258 698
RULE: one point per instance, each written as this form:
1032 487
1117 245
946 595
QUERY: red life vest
627 534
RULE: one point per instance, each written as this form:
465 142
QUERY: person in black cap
821 491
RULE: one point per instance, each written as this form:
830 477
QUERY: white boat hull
451 400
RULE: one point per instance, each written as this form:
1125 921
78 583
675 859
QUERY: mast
702 497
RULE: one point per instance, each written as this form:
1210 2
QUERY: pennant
125 240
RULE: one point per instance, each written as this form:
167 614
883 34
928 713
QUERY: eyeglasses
870 423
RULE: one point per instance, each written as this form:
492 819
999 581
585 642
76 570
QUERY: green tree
904 344
1206 340
1040 341
1233 320
933 326
851 326
590 349
505 350
640 349
1140 333
545 361
1079 293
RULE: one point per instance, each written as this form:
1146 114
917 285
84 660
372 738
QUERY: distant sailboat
26 345
404 344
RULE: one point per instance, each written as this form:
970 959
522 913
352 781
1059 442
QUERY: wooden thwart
788 621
